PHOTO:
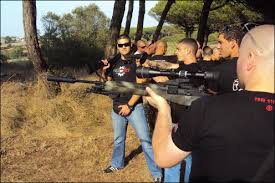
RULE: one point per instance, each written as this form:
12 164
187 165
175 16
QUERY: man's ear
251 62
233 43
188 51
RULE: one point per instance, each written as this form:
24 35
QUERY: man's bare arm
166 153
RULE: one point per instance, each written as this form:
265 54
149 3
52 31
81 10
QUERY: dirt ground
67 138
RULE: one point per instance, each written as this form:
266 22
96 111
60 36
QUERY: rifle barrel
69 80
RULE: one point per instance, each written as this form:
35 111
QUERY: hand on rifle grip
156 100
106 64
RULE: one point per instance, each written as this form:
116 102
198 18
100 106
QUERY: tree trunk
162 18
203 20
188 31
118 12
140 20
34 52
207 32
29 20
129 17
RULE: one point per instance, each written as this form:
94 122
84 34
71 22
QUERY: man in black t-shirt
231 136
128 108
229 40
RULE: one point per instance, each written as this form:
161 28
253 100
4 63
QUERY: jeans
138 121
172 174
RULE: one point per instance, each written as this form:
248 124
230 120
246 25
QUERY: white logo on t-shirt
122 70
236 85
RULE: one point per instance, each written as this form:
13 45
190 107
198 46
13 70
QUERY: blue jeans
138 122
172 174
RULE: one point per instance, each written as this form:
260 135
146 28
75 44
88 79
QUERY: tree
129 17
182 13
140 20
186 14
8 39
40 66
75 39
29 21
118 12
264 7
203 21
162 18
3 58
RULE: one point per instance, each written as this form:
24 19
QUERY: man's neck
235 53
123 57
207 58
260 84
268 89
190 60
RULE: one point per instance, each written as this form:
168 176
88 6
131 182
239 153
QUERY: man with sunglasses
129 108
231 136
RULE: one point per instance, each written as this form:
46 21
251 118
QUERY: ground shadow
133 154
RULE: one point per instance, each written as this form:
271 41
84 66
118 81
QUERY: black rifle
178 90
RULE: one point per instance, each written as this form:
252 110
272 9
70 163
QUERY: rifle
178 90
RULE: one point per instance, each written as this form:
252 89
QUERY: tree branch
217 7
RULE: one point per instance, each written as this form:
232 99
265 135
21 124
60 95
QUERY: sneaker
110 169
157 179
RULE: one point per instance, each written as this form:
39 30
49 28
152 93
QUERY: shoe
157 179
110 169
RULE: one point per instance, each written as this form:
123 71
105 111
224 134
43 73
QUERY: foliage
187 13
12 53
9 39
167 30
3 58
74 39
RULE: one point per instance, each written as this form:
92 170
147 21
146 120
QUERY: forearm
133 100
162 134
166 153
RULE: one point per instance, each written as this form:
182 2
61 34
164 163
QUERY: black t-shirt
168 58
228 79
207 65
229 135
175 108
194 67
123 71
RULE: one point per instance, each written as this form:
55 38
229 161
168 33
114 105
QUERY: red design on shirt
269 108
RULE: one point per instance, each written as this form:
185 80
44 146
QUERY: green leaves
76 38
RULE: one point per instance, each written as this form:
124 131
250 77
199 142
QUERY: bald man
161 47
141 46
231 136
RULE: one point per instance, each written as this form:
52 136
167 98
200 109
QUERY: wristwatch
130 106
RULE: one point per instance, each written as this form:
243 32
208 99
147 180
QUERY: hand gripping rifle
176 91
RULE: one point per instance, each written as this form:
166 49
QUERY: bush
16 52
3 58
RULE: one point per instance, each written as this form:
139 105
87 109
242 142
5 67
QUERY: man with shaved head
231 136
141 46
161 47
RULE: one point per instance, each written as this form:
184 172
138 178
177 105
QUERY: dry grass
68 138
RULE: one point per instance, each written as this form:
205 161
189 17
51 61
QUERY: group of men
230 135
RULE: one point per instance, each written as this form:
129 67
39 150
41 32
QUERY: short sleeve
188 132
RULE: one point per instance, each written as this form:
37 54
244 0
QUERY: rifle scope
146 72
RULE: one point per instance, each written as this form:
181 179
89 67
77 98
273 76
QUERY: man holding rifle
128 108
231 136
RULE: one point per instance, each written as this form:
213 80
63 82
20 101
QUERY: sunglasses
125 45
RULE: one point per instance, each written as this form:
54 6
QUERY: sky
12 13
